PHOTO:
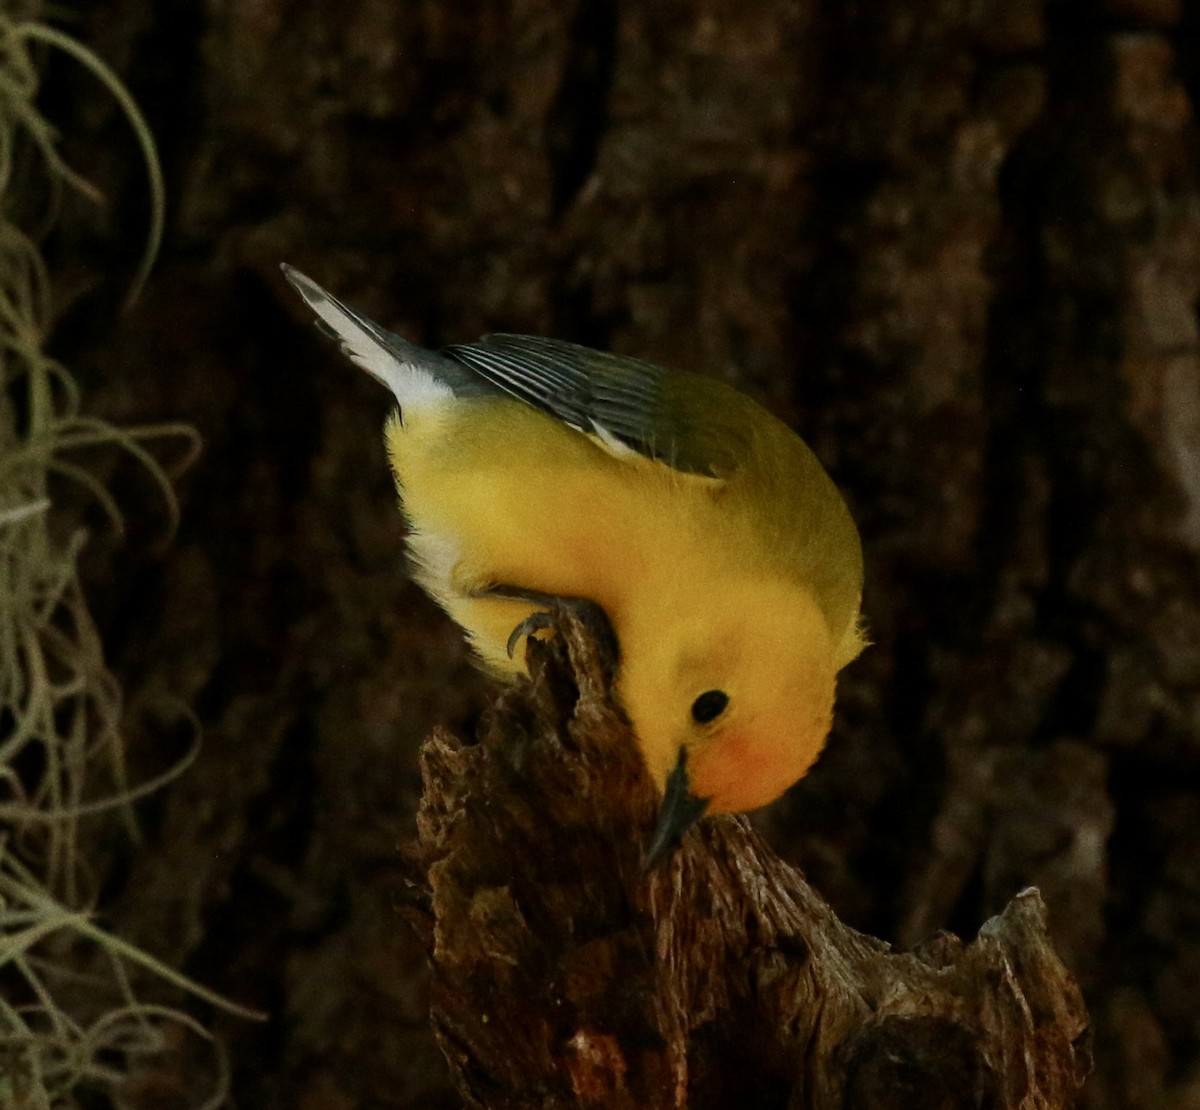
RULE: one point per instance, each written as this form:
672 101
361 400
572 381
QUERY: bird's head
733 692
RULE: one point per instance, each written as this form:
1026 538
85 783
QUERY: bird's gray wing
625 402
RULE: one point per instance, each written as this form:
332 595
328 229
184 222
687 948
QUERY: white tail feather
363 343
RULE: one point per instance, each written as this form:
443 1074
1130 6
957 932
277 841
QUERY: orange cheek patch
736 774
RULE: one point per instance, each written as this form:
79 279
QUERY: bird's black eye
709 706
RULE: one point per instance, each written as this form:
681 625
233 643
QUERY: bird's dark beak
679 811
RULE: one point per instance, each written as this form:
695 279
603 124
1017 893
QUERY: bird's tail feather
413 374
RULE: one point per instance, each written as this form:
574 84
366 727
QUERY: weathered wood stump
565 976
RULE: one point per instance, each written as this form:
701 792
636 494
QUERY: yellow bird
720 550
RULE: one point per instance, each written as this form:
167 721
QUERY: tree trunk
955 243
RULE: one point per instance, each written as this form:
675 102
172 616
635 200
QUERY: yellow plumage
707 531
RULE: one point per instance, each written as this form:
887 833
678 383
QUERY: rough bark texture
956 243
565 975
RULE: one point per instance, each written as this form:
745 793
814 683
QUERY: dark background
955 243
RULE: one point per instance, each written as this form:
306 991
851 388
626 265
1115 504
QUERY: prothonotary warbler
707 531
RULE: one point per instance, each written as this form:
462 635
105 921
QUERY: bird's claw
537 621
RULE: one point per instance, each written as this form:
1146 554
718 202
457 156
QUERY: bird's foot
537 621
587 611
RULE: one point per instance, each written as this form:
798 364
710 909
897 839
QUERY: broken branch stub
564 976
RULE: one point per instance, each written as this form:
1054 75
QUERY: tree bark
956 245
565 974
